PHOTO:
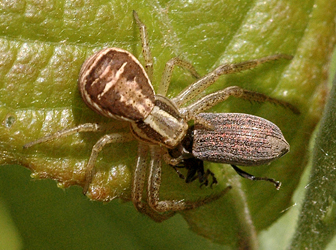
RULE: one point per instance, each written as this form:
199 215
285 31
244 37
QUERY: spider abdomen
113 83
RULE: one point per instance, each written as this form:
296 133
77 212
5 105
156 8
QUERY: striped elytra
237 138
113 83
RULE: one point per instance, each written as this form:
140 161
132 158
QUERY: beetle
113 83
230 138
183 158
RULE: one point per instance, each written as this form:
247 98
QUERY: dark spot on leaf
9 121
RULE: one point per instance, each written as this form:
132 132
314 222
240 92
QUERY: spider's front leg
146 51
212 99
198 87
145 45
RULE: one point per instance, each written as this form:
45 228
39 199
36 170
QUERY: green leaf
317 223
43 45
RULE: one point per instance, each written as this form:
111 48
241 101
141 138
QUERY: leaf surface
42 47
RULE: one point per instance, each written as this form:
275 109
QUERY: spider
113 83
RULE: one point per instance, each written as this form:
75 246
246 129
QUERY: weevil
231 138
113 83
184 158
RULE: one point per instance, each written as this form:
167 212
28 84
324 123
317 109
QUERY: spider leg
139 180
168 70
211 100
145 45
86 127
100 144
139 177
198 87
153 189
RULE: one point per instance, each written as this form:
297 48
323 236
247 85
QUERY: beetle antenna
243 174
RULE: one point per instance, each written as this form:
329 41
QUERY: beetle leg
180 175
243 174
174 163
205 177
198 87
